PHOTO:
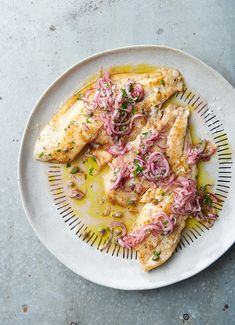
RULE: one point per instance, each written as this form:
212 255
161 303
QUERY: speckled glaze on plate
214 117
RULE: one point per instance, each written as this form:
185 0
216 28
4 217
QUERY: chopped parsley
74 170
68 165
138 169
133 110
88 120
145 133
91 170
124 93
41 154
207 200
156 255
93 158
124 105
163 193
58 150
162 82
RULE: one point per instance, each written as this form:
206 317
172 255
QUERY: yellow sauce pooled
94 206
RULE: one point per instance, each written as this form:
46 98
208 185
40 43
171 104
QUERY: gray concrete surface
40 39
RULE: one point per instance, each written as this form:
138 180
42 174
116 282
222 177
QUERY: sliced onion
161 224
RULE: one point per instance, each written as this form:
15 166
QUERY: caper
117 214
155 201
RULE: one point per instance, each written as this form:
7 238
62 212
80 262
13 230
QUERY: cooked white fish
166 244
167 121
72 127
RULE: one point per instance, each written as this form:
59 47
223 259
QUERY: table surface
39 40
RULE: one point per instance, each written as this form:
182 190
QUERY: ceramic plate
61 228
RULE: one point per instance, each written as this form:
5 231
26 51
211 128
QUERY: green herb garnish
41 154
74 170
145 133
58 150
68 165
207 200
91 170
162 82
93 158
133 110
156 255
124 105
124 93
138 169
88 120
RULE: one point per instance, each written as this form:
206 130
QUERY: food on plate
149 158
114 107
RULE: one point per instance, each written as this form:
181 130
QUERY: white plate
54 224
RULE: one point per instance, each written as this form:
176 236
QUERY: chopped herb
93 158
41 154
156 255
145 133
85 175
124 93
165 222
72 142
58 150
133 110
91 170
49 154
68 165
88 120
138 169
163 193
85 160
162 82
124 105
207 200
74 170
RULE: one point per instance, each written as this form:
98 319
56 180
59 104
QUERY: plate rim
23 139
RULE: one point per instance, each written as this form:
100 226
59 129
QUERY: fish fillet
166 244
170 123
71 128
